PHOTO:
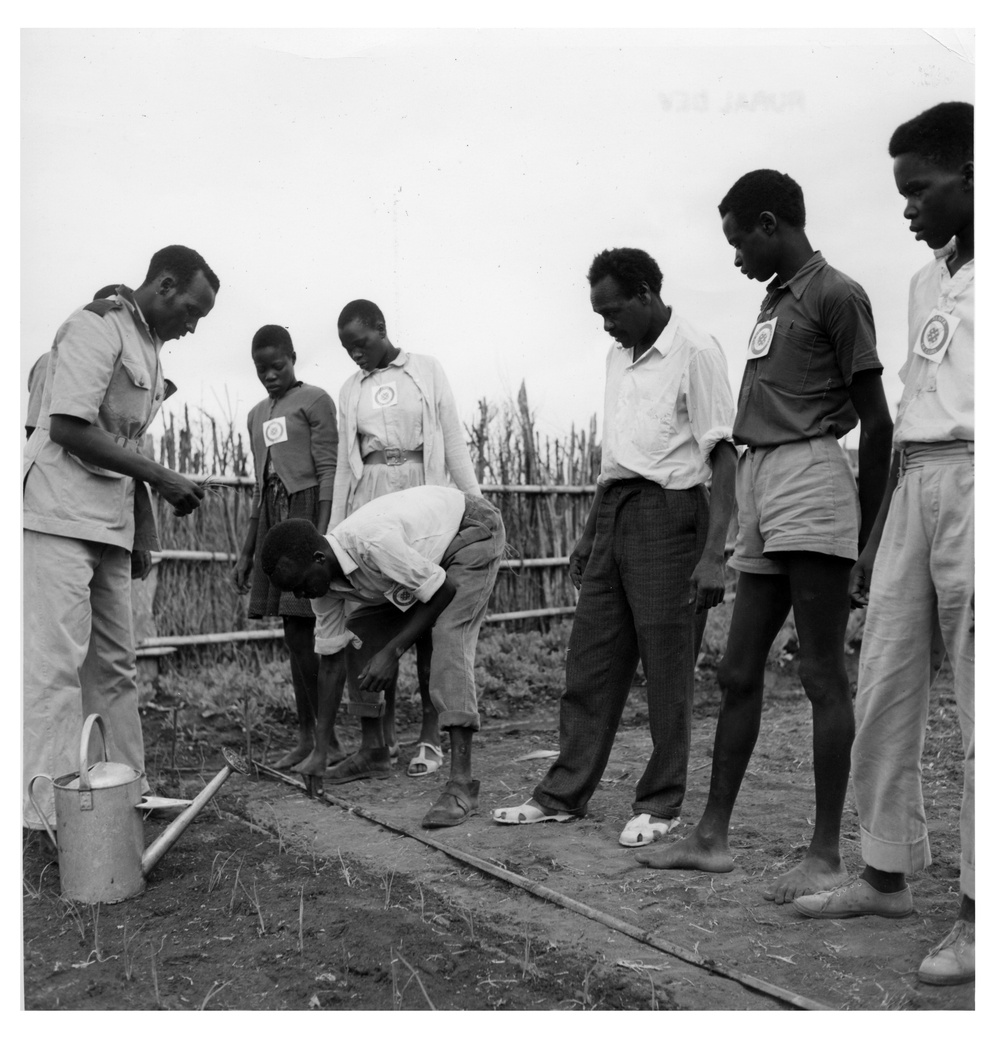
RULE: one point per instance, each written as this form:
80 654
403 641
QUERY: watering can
99 820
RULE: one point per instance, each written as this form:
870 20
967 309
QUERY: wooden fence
543 487
195 603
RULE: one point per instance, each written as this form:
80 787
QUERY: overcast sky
461 179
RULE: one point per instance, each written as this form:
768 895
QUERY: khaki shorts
798 496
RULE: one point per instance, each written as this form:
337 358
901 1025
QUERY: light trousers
472 561
923 576
79 658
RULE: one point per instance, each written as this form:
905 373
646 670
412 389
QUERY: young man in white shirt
916 573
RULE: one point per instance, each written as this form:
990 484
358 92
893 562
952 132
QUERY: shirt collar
344 560
397 361
949 249
127 295
798 281
664 340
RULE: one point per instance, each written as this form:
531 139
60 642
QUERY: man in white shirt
403 563
651 559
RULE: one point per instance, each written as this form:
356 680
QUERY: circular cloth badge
384 395
934 337
275 431
761 339
401 597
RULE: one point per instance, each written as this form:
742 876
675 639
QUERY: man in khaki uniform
86 511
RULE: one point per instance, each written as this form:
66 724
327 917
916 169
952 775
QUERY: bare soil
272 900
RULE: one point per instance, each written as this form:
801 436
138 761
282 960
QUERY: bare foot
334 754
810 875
294 756
314 763
692 853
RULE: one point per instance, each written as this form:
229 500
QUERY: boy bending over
404 563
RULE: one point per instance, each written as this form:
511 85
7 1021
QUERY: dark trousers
633 605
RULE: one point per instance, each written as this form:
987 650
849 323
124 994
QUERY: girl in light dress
399 427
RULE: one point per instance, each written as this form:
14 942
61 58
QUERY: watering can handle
88 726
38 809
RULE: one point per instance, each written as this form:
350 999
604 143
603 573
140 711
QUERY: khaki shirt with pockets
104 368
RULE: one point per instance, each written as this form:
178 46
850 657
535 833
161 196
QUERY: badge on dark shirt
761 339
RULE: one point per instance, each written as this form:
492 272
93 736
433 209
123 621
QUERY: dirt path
392 903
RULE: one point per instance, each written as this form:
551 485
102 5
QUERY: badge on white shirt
275 431
402 597
760 341
936 335
384 395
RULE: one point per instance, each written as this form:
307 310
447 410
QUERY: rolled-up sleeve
710 399
332 634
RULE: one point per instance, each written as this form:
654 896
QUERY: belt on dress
394 456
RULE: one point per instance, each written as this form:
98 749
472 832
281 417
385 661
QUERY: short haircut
273 335
360 309
943 135
764 190
106 292
630 267
294 539
184 263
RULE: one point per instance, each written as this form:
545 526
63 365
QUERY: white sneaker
642 830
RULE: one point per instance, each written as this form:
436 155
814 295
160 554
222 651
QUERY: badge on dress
936 335
384 395
761 338
275 431
402 597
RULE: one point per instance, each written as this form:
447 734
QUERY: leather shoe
454 805
953 960
853 900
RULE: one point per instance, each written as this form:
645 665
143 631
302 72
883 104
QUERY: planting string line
545 893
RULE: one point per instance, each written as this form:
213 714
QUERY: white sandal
428 764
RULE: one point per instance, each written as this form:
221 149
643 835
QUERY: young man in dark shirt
812 374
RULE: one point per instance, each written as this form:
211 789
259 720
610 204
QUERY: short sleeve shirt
390 552
799 368
104 367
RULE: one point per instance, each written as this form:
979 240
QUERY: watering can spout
173 831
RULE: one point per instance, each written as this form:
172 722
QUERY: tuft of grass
345 871
128 954
386 883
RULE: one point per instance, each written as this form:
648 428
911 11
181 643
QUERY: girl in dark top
293 436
